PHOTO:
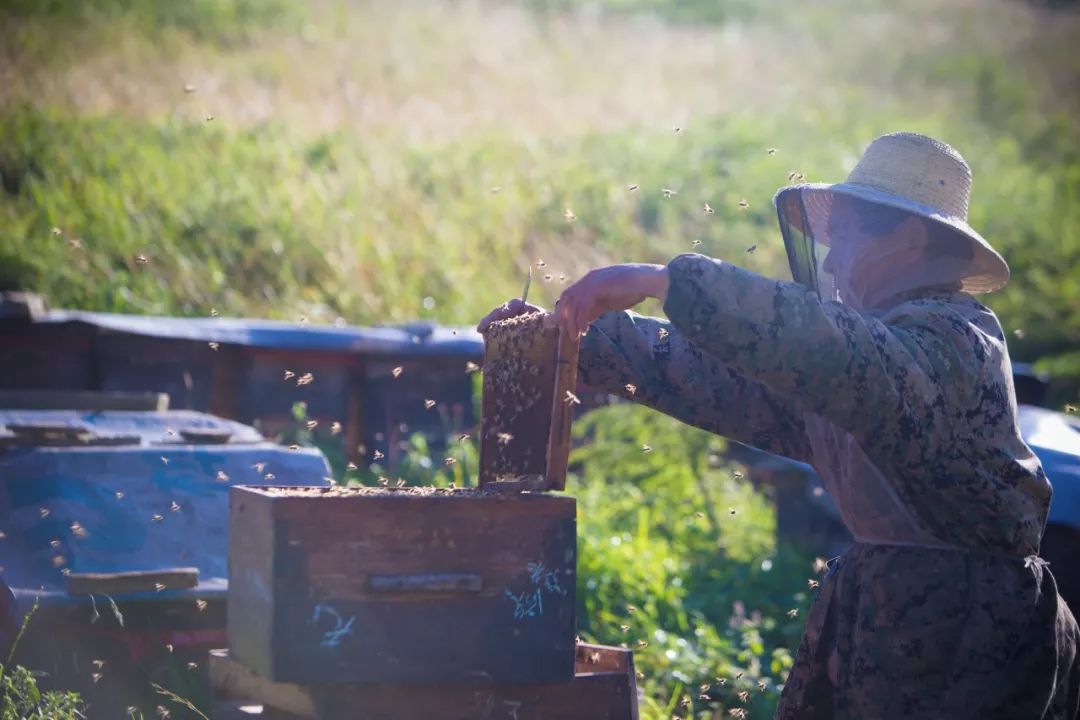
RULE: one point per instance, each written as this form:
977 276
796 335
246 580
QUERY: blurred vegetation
351 158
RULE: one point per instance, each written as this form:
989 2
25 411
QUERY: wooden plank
83 400
562 411
388 586
603 689
132 581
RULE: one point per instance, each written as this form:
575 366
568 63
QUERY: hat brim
989 271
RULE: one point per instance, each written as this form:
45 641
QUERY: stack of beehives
421 602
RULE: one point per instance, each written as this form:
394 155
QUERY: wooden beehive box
603 688
377 585
530 374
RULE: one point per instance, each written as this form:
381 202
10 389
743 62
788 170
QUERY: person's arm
668 372
882 383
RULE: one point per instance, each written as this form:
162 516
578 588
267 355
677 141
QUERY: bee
170 432
54 543
289 374
174 506
162 711
464 436
630 388
156 518
209 118
213 346
158 587
737 475
63 571
305 379
631 609
303 320
335 427
95 677
820 565
98 663
378 455
214 313
119 495
201 604
189 88
449 461
2 534
384 481
470 366
540 262
548 277
795 175
695 243
792 612
662 333
401 482
141 259
761 685
44 512
743 204
739 713
633 187
192 666
668 192
771 151
624 628
169 647
496 189
350 466
569 215
732 510
294 448
504 437
676 129
428 404
646 448
571 398
708 209
56 231
259 467
74 243
164 460
58 561
751 250
396 372
744 696
705 687
562 277
685 701
699 515
811 583
1070 408
722 681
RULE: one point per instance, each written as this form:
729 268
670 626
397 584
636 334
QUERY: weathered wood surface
530 373
603 688
385 586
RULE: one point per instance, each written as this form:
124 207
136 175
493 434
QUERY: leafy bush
20 698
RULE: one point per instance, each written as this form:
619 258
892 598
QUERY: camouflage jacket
909 416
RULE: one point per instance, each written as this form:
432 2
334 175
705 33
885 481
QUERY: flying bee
668 192
631 609
695 243
401 482
732 510
378 455
156 518
495 190
699 515
162 711
78 531
57 231
792 612
633 187
98 663
209 118
384 481
58 561
624 628
631 388
201 604
662 333
214 313
350 466
811 583
119 495
54 543
335 427
141 259
164 460
464 436
676 129
74 243
761 685
158 587
289 374
470 366
213 345
95 677
708 210
562 277
548 277
794 175
169 647
189 88
396 372
771 151
294 447
1070 408
737 475
540 262
571 398
174 506
449 461
744 696
569 215
312 424
170 432
303 320
428 404
504 437
743 204
192 666
305 379
722 681
750 250
646 448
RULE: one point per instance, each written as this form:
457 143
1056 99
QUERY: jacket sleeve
879 382
671 374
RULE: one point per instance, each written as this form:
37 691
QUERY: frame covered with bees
530 375
402 586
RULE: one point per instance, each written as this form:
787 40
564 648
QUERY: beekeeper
879 368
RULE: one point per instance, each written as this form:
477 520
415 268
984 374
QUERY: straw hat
915 173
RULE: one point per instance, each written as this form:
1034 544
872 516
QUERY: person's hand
509 309
617 287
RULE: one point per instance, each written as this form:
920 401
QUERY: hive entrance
530 373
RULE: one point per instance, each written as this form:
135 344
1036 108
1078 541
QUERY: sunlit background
386 161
